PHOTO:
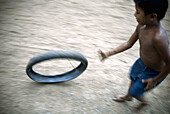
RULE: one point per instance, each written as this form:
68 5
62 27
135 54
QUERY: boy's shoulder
160 38
140 27
158 33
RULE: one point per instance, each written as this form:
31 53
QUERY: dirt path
29 27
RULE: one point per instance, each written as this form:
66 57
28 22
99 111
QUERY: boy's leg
128 94
137 91
141 99
140 91
142 104
127 97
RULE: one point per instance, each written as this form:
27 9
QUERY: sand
30 27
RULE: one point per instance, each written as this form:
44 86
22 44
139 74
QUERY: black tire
64 54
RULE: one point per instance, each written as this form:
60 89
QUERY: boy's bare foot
140 106
122 98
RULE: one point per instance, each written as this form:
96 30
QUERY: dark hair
153 6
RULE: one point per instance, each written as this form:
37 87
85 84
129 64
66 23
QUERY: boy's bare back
153 46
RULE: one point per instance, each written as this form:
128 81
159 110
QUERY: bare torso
148 53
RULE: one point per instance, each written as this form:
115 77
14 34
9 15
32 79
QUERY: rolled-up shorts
139 72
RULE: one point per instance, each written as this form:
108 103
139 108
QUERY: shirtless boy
154 63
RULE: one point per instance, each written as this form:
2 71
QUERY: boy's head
159 7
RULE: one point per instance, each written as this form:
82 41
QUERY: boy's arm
163 49
122 47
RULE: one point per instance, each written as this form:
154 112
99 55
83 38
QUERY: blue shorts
140 71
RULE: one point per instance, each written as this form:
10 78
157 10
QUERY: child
154 63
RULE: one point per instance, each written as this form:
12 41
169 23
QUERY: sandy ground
30 27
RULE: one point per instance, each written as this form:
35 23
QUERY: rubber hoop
62 54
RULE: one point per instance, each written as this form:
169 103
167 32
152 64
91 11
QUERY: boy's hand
102 55
150 83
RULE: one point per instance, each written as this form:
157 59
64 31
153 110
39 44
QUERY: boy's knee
136 92
133 93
